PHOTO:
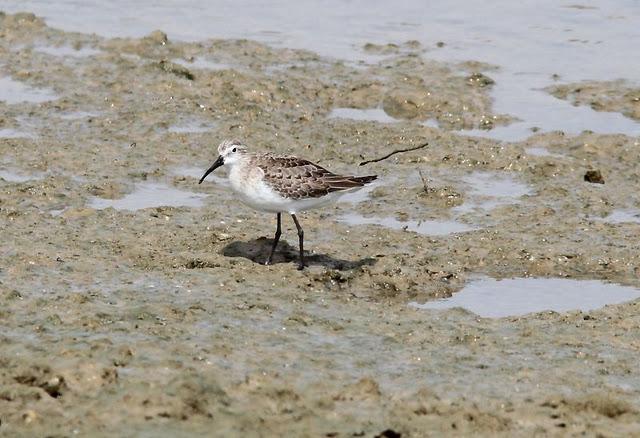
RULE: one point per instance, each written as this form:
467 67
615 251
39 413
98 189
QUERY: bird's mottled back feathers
296 178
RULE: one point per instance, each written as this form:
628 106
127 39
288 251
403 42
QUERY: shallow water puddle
12 91
280 67
535 107
431 123
370 114
197 172
14 133
76 115
18 176
499 186
541 152
148 195
492 190
362 194
191 127
203 64
534 43
66 51
57 211
623 216
426 227
487 190
492 298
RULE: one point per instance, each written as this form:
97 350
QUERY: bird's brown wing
296 178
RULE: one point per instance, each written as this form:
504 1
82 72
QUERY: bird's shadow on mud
257 250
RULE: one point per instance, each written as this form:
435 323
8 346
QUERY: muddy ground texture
162 320
617 96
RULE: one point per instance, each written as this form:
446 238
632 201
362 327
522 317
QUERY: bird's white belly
254 192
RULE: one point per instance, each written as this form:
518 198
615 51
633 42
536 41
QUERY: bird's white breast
248 182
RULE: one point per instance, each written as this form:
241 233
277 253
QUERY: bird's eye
233 150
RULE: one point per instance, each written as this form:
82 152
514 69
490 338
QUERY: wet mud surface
162 320
614 96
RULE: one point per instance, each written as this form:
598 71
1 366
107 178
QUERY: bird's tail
340 182
364 179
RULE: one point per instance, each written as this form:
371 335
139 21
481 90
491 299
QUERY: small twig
424 181
395 152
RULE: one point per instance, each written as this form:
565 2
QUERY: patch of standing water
541 152
426 227
431 123
363 194
530 41
17 176
623 216
148 195
75 115
371 114
203 64
191 126
12 91
491 190
13 133
487 190
67 51
537 108
197 172
490 298
275 69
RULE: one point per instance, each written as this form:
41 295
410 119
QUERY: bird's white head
229 152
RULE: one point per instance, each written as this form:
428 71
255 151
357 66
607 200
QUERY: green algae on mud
161 320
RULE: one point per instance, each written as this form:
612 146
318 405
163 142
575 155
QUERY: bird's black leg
275 241
301 240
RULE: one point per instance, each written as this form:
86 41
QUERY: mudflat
134 302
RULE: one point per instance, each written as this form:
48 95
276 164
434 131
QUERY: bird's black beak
219 162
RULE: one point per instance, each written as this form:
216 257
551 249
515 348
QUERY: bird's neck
239 163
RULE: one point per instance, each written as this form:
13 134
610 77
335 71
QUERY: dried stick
424 181
415 148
